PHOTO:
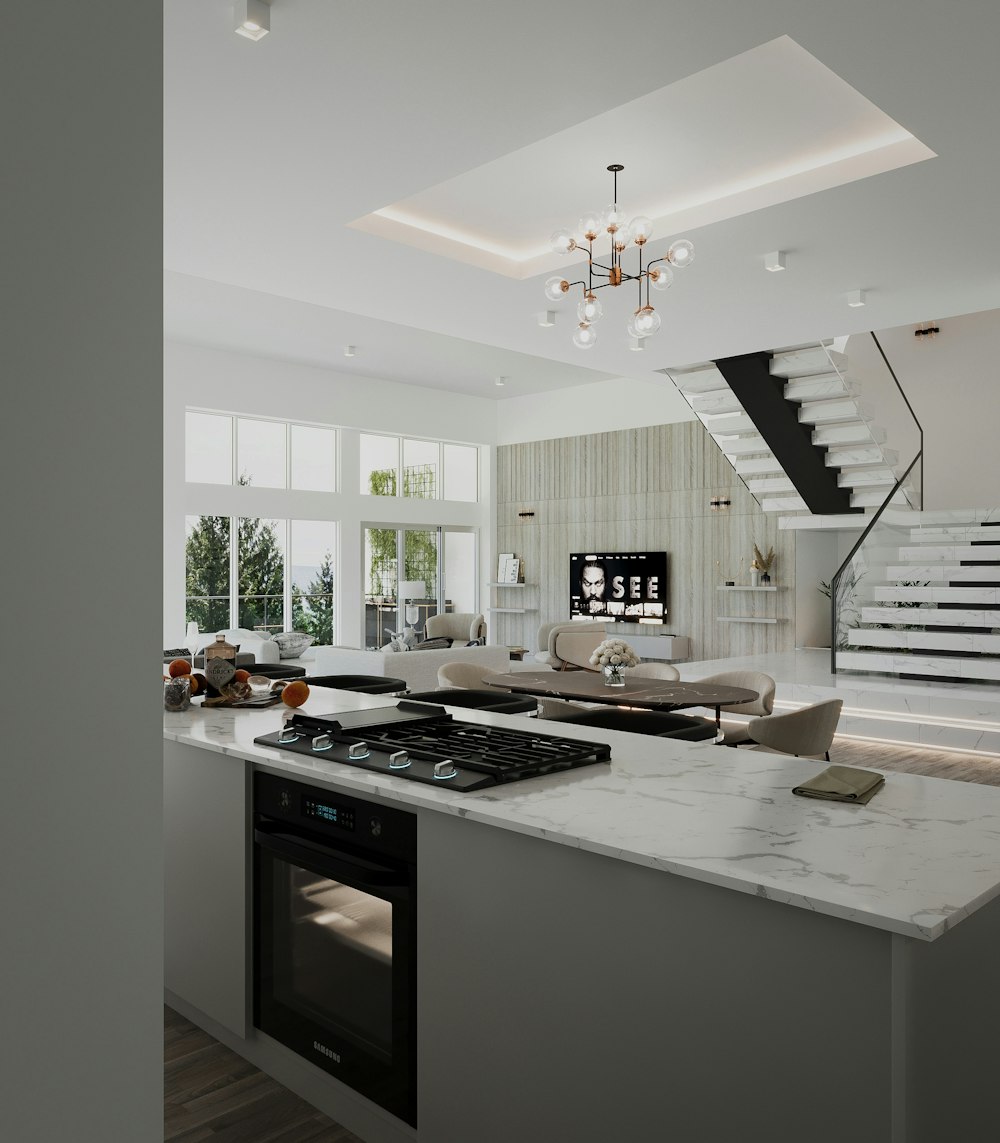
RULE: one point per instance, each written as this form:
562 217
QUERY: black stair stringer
763 398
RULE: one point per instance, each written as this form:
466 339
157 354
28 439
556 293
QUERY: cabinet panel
207 881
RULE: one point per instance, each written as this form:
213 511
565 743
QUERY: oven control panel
327 811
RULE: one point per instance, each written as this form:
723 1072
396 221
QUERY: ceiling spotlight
644 321
500 382
856 298
774 262
350 350
252 18
546 318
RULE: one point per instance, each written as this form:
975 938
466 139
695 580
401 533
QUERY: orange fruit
241 676
199 684
295 693
179 667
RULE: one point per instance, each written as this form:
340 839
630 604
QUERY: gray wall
80 887
636 490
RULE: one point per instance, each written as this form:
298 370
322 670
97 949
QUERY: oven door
335 946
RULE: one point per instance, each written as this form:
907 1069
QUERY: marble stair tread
822 387
950 553
829 412
970 643
860 456
933 616
742 446
867 477
948 535
848 433
834 522
722 401
978 596
940 666
874 497
731 423
758 466
943 573
783 504
761 484
804 362
703 380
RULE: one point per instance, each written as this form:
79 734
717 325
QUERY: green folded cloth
842 784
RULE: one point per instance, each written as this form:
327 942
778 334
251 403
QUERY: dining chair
808 731
654 671
735 733
466 675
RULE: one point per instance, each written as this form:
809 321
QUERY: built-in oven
335 911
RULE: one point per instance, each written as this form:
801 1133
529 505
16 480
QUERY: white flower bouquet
614 653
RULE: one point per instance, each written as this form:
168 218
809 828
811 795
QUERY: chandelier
657 275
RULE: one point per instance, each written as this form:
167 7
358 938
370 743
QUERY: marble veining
922 855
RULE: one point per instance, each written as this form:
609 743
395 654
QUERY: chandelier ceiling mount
657 274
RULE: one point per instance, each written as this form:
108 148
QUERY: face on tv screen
629 587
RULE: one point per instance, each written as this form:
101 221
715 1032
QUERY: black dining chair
363 684
499 702
659 723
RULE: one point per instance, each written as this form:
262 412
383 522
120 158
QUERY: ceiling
275 150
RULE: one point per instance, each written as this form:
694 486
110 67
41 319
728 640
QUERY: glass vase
614 676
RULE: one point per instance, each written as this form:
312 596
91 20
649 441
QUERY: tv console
660 646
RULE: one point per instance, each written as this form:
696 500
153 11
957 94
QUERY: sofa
417 668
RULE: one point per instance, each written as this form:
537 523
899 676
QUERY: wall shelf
512 610
743 587
510 585
745 619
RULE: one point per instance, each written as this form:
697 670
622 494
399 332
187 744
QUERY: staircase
828 406
932 610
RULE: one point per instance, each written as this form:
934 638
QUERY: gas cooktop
422 743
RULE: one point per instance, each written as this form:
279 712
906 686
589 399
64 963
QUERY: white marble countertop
921 856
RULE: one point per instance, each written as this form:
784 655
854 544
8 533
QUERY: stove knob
399 760
358 750
322 742
288 734
445 769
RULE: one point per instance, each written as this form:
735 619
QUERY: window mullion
234 571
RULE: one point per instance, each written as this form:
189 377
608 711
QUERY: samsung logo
326 1051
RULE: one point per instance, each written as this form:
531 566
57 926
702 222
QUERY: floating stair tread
874 497
804 362
867 478
723 401
950 553
758 466
933 616
945 667
859 456
742 446
942 573
728 423
783 504
761 484
829 412
822 387
976 596
967 643
699 380
848 433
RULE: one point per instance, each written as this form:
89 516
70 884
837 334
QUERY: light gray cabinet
206 800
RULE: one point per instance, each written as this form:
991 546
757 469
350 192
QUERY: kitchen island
667 946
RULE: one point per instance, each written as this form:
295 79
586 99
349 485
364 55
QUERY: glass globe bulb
590 224
661 277
589 310
642 229
563 242
555 287
622 237
613 215
644 322
584 337
681 253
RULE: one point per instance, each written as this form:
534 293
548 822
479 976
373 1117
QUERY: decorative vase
754 577
765 579
614 676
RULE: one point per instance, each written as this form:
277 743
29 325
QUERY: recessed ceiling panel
694 153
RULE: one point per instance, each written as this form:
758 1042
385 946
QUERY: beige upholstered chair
808 731
735 733
462 626
467 676
568 646
654 671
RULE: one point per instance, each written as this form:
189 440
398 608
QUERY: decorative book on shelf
508 568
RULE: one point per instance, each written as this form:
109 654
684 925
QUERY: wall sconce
720 503
925 332
525 514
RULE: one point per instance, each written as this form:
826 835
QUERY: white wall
195 376
81 884
951 382
600 407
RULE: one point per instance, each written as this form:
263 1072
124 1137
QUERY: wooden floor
212 1095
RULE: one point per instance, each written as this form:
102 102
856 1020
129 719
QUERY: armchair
462 626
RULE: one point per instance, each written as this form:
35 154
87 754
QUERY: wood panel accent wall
645 489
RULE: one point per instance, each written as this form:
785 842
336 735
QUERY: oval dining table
645 693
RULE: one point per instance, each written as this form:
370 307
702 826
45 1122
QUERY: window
267 454
256 573
393 466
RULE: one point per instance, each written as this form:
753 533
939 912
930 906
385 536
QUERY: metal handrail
916 421
835 582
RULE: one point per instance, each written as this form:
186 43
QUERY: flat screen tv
628 587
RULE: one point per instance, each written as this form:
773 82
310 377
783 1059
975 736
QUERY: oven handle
345 867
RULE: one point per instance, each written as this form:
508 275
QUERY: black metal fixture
657 274
720 503
523 515
926 331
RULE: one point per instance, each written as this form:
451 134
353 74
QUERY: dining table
641 692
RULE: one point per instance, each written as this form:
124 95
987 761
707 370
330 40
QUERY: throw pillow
440 644
291 644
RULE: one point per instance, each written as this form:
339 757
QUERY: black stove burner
425 744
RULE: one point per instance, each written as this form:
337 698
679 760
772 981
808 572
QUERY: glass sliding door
411 574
